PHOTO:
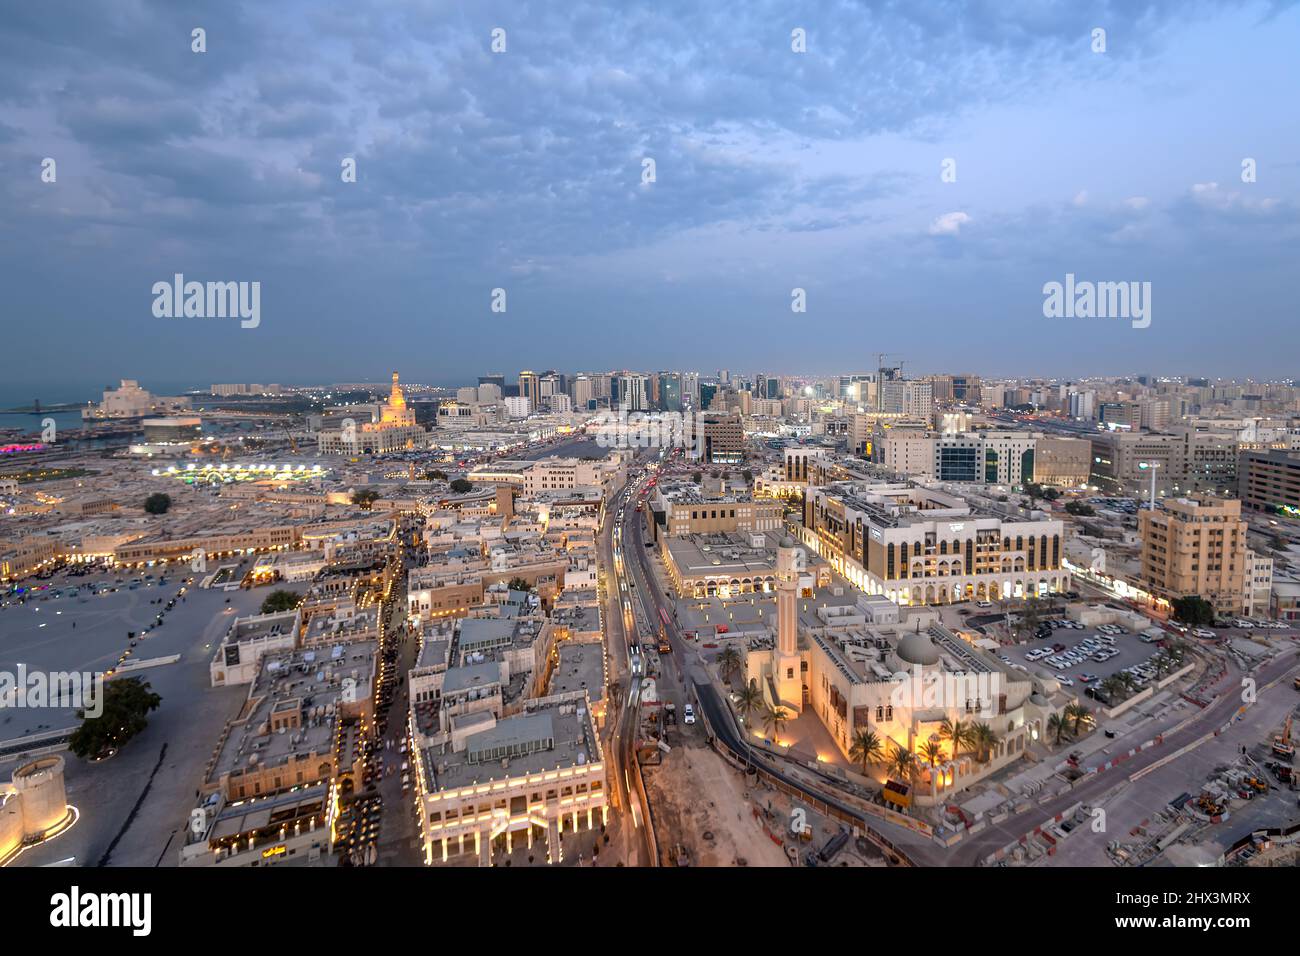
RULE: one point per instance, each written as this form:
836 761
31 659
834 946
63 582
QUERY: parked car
688 714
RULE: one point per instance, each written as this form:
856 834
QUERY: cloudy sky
523 170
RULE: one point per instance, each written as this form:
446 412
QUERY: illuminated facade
532 777
921 545
396 430
1196 547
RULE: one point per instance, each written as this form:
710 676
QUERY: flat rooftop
309 683
581 667
552 737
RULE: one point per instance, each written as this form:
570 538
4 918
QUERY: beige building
900 683
1195 547
723 439
1066 462
396 430
529 778
923 545
680 510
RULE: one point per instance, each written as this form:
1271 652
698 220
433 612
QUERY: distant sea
22 396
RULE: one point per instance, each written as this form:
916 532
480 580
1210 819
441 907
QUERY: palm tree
728 663
1113 687
1056 726
867 748
1076 714
932 751
959 732
985 740
902 763
749 700
1128 680
773 720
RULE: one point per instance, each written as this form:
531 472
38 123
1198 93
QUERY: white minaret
786 661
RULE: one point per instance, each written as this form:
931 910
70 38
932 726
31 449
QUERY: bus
665 647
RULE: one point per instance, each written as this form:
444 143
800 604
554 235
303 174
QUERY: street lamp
1151 466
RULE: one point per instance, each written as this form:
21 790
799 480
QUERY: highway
973 849
621 635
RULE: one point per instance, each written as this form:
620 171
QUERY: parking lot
1129 651
142 796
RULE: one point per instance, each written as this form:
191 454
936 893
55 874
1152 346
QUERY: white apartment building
528 777
518 406
1257 598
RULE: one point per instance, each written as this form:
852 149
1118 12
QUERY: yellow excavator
1282 746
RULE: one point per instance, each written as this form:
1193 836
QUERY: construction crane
292 443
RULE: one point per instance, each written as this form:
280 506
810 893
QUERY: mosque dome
917 648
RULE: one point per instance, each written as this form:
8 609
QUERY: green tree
365 497
932 751
1112 687
774 718
1079 509
985 740
461 486
435 475
157 503
958 733
748 701
1056 725
519 584
867 748
728 663
1076 714
127 704
1194 610
902 763
279 600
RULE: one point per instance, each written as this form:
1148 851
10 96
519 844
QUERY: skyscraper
530 387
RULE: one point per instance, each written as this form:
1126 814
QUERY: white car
688 714
1064 681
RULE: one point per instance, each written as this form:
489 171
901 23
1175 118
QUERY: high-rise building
724 439
1195 547
530 387
1062 461
583 393
915 399
1270 481
631 391
669 396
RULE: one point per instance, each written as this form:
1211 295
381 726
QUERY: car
688 714
1064 681
1058 647
983 604
1087 678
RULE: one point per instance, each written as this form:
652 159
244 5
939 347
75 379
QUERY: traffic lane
1216 715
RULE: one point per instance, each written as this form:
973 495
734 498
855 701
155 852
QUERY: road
691 682
973 849
620 635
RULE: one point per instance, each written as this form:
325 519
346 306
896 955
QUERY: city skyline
530 436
